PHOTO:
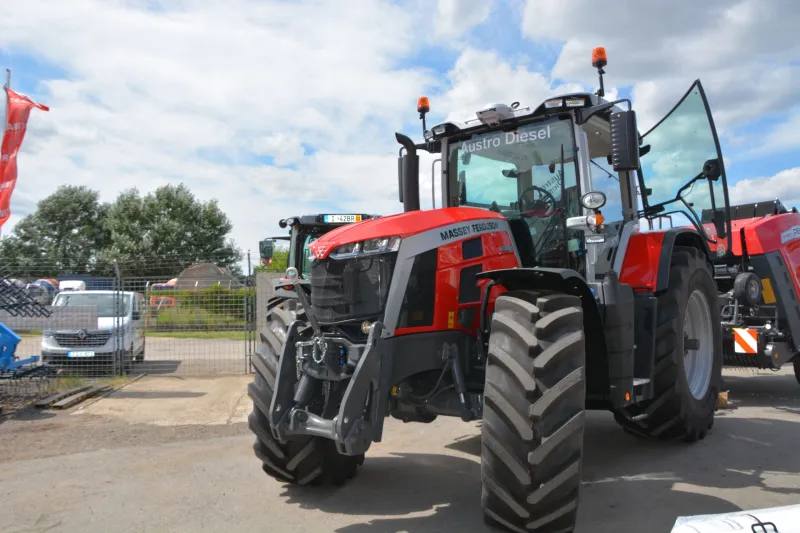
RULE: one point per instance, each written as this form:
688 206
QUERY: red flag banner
17 111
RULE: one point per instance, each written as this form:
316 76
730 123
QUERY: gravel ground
117 466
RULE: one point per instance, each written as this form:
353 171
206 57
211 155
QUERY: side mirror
712 170
266 249
624 141
137 315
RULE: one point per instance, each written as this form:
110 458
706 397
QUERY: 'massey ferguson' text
468 229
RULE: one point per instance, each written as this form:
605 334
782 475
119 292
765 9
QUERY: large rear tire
688 356
796 365
302 460
534 413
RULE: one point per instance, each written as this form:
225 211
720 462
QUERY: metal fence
183 316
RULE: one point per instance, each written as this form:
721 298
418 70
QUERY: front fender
568 282
559 279
555 279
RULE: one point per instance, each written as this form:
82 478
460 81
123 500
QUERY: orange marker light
627 396
423 106
599 57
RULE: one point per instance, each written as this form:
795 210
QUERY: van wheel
140 357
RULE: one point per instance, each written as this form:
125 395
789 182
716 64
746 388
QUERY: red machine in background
759 286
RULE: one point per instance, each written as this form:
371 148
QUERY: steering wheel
541 207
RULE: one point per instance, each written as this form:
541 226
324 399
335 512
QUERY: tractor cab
574 177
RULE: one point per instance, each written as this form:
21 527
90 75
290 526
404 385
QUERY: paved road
136 463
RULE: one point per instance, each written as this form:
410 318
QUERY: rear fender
645 266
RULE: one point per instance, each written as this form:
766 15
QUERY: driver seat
523 240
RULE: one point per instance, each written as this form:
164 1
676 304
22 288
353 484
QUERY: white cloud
455 17
741 50
284 148
783 138
195 91
781 186
482 77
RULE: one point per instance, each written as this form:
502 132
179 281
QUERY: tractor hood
402 225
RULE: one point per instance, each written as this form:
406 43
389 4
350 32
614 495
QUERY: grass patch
194 318
234 335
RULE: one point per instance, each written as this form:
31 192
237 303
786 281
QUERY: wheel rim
698 359
753 291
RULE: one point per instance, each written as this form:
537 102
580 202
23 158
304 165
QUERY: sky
278 108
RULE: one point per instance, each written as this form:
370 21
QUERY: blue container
8 346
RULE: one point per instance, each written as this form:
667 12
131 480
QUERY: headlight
368 247
292 273
593 200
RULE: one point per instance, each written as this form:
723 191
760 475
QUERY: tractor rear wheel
534 409
796 364
302 460
688 356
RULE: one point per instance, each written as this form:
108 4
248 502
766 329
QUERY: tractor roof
556 104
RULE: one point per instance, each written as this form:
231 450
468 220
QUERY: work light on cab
593 200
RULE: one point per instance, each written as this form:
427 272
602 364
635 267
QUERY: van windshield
103 301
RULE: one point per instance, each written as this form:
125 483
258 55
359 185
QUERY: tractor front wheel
688 357
533 416
280 317
304 460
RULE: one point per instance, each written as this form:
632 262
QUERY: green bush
188 318
215 307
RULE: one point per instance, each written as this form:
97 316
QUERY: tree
163 232
155 235
66 234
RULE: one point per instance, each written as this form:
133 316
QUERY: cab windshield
528 173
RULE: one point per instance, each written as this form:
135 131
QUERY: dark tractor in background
283 307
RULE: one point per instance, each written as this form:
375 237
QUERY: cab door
683 173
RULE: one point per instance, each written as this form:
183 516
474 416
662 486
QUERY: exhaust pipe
408 168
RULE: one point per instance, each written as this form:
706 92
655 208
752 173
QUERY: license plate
80 354
334 219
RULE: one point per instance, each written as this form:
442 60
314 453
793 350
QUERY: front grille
351 289
91 339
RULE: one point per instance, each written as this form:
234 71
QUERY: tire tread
533 419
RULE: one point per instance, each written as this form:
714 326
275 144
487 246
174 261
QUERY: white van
123 328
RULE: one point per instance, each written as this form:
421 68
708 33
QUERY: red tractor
517 303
